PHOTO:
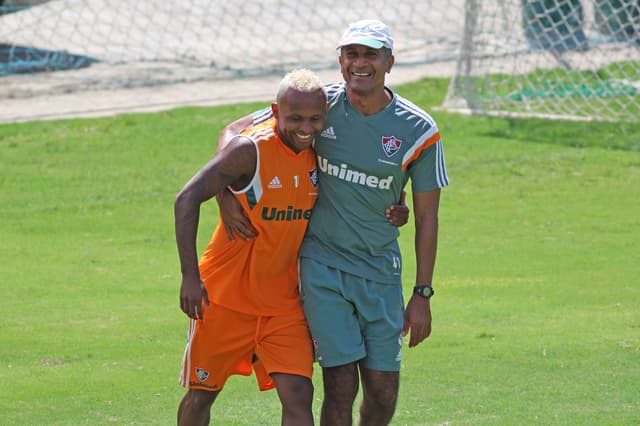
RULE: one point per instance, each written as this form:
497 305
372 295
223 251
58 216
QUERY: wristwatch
425 291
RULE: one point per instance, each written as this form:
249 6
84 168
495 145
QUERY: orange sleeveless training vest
260 277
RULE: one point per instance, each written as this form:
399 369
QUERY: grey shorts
352 318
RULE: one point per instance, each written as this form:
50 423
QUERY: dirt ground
45 98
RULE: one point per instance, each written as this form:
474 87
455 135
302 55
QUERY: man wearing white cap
373 142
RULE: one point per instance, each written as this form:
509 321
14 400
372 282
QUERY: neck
369 103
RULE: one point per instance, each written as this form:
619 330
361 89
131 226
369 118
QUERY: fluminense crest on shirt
390 145
313 176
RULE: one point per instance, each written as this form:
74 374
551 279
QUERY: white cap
367 32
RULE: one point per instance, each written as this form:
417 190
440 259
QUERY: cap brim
369 42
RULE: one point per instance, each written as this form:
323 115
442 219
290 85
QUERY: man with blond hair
242 296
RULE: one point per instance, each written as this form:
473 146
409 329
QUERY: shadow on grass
23 59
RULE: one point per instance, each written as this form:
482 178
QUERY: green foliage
535 315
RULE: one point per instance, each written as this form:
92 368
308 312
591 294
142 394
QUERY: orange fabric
224 344
426 144
260 276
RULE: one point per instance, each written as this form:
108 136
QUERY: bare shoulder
231 131
239 145
238 160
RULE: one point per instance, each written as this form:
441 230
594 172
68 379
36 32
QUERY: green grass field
536 316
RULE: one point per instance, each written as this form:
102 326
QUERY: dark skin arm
234 164
234 217
417 316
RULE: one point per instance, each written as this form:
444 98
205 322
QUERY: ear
274 109
392 60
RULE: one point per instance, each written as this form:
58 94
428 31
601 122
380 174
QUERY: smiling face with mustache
364 68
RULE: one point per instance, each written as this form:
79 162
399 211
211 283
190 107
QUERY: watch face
425 291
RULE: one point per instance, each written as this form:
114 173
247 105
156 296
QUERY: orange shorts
228 342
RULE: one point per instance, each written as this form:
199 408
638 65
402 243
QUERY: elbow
181 203
179 199
429 218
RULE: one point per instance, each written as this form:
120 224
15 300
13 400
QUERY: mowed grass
536 313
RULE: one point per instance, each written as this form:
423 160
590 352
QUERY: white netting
560 58
577 58
132 43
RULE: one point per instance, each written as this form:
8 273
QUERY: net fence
122 43
557 58
561 58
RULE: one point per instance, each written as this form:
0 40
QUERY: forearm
426 206
426 243
187 217
220 196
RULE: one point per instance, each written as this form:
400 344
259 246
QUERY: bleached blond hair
302 80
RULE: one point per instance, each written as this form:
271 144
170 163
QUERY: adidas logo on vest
275 183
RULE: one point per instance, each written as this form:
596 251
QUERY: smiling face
364 68
300 117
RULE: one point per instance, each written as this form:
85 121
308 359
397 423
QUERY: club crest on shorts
390 145
202 374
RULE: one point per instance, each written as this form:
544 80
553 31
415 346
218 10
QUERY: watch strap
425 291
